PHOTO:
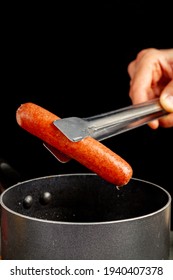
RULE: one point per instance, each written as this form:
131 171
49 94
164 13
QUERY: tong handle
106 125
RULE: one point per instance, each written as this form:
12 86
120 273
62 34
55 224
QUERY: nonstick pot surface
84 198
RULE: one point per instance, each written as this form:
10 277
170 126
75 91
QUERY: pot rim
82 223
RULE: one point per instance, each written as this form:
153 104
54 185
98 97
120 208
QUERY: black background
73 60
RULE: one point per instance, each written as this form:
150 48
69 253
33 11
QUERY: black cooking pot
81 216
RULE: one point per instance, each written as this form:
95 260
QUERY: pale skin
151 74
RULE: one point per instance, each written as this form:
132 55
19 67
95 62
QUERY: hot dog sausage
89 152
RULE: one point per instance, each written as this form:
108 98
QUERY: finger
140 88
166 98
154 124
131 68
166 121
132 65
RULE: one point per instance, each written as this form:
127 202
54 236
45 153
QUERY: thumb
166 97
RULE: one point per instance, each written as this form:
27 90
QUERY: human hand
151 76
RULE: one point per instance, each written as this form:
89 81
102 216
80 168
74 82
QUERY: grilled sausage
89 152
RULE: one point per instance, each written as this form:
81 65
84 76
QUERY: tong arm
106 125
109 124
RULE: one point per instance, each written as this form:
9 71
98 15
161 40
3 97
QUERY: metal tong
109 124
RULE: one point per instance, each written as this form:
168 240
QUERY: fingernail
168 102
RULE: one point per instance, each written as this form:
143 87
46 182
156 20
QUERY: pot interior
83 198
